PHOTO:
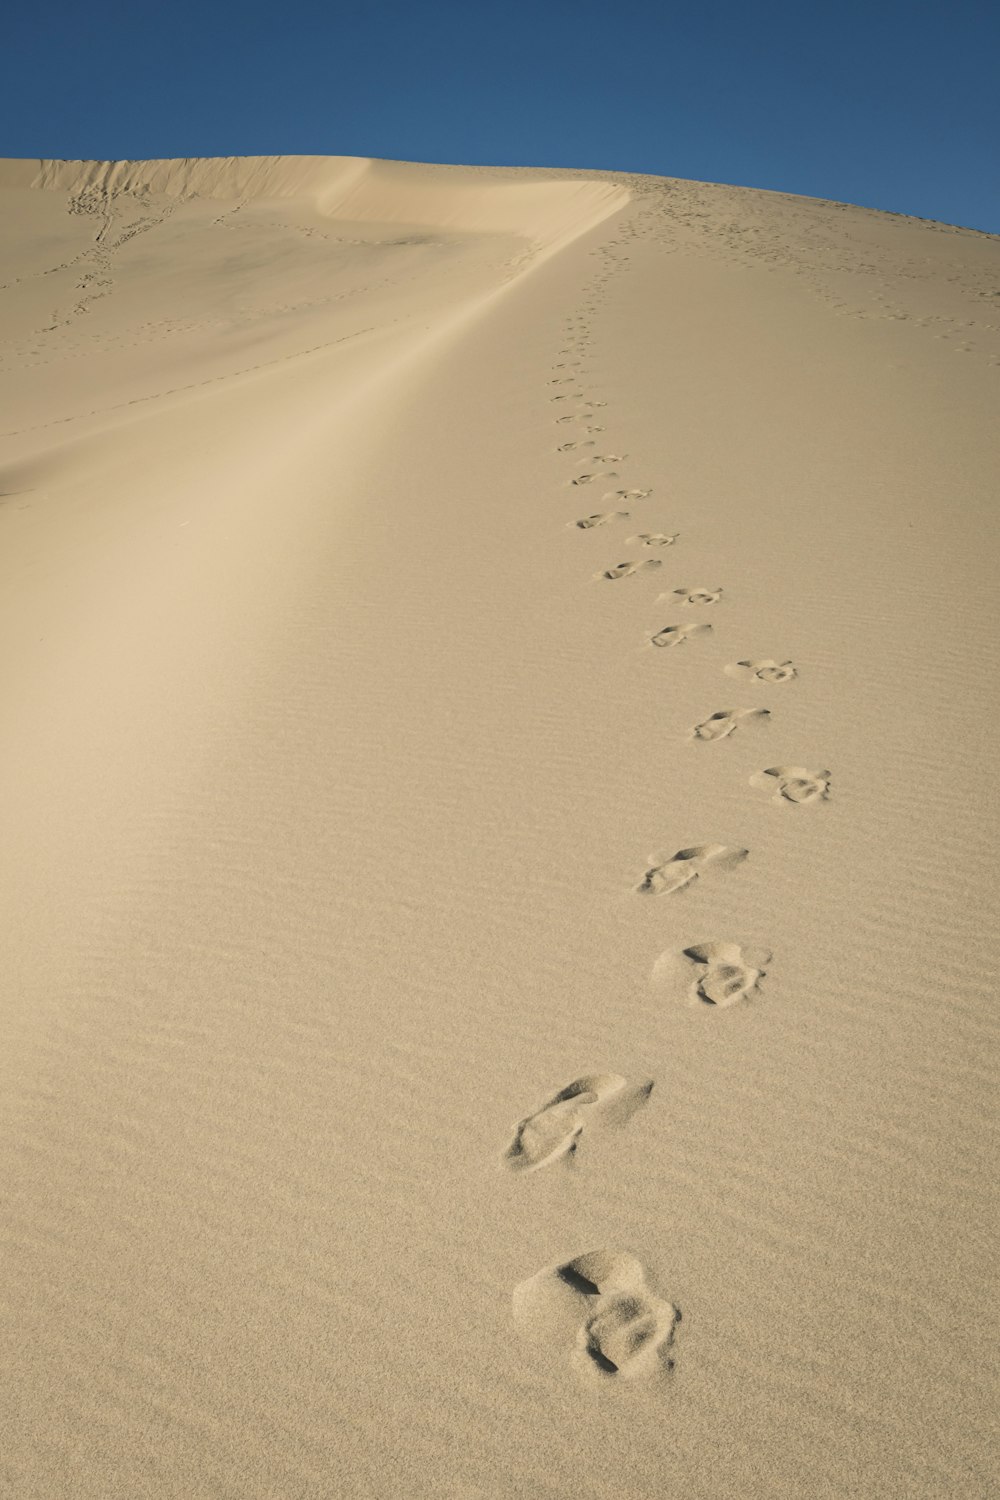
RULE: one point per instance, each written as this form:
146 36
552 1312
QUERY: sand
499 855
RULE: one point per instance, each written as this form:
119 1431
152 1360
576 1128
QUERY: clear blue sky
871 101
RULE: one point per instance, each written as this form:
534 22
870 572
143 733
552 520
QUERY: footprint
554 1131
698 596
719 726
676 872
569 447
676 635
589 478
599 1309
763 671
586 522
719 974
794 783
606 458
626 569
653 539
629 495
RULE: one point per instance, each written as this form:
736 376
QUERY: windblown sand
499 760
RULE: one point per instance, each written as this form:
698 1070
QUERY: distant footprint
554 1131
590 478
634 494
676 635
569 447
794 783
585 523
763 671
717 974
667 875
721 725
626 569
599 1309
653 539
697 596
606 458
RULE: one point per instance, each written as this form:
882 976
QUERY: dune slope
498 850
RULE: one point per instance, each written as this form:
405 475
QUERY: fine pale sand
499 837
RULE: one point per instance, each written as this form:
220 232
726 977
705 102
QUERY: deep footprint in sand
599 1310
720 725
667 874
768 671
712 974
653 539
676 635
626 569
794 784
697 596
590 478
595 1101
586 523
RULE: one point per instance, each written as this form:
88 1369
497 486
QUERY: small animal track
676 635
554 1131
697 596
716 974
721 725
626 569
794 783
586 523
763 671
667 875
653 539
599 1308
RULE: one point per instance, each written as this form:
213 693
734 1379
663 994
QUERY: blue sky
892 105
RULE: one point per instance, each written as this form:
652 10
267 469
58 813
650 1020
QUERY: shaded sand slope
343 794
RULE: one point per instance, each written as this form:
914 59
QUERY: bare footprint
626 569
634 494
676 635
585 523
721 725
763 671
599 1309
716 974
698 596
554 1131
569 447
794 783
667 874
653 539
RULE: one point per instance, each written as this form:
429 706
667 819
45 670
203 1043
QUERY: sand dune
391 558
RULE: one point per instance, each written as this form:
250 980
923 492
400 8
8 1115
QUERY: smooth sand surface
499 872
